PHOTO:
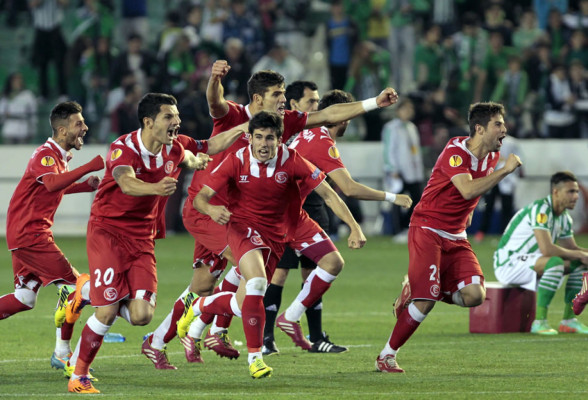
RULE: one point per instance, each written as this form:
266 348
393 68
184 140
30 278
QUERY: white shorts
519 271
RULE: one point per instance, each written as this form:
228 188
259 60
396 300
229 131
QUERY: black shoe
269 347
324 345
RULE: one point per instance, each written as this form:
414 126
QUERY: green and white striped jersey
518 237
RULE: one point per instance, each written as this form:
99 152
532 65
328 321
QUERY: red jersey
195 146
136 217
317 146
294 122
266 195
442 206
32 207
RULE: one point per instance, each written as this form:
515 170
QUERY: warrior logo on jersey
281 177
541 218
116 153
47 161
455 161
110 294
169 167
333 152
315 173
256 240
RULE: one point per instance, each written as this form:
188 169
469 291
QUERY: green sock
541 313
548 284
573 286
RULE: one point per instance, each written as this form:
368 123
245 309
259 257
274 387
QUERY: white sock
415 313
252 356
214 328
197 328
458 299
125 313
159 333
388 350
62 347
295 311
74 357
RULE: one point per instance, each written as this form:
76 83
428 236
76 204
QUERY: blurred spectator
369 73
428 60
559 118
289 23
169 34
214 15
49 43
341 38
268 13
133 20
177 66
95 18
193 25
495 63
15 11
446 16
512 90
141 62
123 118
579 88
18 111
576 49
237 77
495 21
402 40
403 162
193 108
527 33
359 11
578 19
203 61
557 33
243 24
543 8
280 60
378 23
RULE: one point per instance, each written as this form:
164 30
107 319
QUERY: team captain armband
390 197
370 104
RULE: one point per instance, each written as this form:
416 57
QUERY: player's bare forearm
224 140
217 105
131 185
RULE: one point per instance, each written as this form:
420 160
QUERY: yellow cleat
74 307
259 370
63 293
183 324
83 384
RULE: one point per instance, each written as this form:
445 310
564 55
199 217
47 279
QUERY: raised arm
471 188
129 184
224 140
356 238
217 105
346 111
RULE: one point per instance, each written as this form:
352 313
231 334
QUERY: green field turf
442 360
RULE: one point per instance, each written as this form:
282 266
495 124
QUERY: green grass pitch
442 360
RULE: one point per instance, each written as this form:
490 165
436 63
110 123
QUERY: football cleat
324 345
221 344
59 362
157 357
258 369
294 330
269 346
74 307
83 384
388 364
59 316
541 327
581 298
403 300
572 326
192 348
68 370
183 324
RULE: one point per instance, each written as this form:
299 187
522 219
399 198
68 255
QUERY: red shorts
439 266
310 239
120 266
243 239
210 239
43 263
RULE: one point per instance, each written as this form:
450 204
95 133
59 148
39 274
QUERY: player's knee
473 296
256 286
332 263
26 297
141 317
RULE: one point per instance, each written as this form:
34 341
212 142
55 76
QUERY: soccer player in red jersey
211 253
36 259
125 215
266 182
318 146
442 264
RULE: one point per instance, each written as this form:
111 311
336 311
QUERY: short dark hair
562 176
267 119
261 81
151 103
295 91
335 96
61 112
482 113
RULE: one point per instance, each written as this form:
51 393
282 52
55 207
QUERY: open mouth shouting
281 109
172 132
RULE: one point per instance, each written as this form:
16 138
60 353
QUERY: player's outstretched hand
219 214
512 162
166 186
403 201
219 70
387 97
356 240
93 181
